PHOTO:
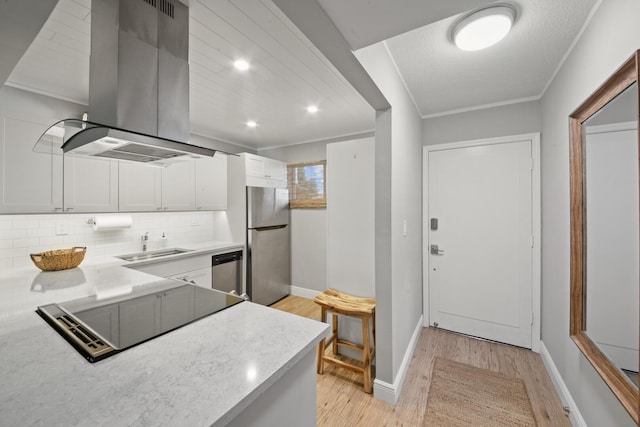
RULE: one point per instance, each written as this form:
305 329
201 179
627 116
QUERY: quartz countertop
204 373
23 289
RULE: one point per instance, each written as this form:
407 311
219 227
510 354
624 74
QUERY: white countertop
204 373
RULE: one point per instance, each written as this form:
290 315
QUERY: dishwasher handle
225 258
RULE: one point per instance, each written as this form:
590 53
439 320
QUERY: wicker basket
59 259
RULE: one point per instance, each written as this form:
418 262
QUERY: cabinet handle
68 209
57 209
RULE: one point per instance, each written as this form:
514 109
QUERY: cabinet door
254 165
141 317
139 187
211 183
276 173
90 185
177 307
30 181
265 172
177 268
104 320
178 192
200 277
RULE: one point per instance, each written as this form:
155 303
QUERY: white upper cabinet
265 172
144 188
140 187
211 183
178 188
90 185
30 182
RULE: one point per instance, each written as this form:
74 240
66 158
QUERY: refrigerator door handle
273 227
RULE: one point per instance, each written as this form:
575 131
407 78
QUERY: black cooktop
99 328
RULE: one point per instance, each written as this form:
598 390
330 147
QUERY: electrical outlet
195 222
61 229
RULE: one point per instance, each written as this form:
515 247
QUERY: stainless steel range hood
138 86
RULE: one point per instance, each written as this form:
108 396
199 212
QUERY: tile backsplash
21 235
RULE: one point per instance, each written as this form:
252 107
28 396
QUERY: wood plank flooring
342 402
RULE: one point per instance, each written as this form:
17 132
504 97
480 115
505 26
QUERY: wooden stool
348 305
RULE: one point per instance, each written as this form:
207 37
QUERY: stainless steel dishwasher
226 272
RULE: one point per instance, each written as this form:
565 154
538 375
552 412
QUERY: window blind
307 185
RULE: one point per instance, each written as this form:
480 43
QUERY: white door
480 279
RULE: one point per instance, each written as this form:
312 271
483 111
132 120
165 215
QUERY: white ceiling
288 72
443 79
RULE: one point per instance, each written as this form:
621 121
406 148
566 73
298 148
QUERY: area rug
463 395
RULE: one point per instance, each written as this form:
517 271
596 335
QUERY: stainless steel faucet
145 239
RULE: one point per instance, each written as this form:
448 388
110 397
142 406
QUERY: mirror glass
611 236
604 175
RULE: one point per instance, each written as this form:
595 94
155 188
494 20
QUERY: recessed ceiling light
312 109
484 27
251 124
241 65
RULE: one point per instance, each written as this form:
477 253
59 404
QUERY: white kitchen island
248 365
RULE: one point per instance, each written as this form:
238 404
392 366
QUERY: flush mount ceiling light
312 109
251 124
484 27
241 65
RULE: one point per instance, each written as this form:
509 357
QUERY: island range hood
138 86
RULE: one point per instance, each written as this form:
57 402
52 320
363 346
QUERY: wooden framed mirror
605 236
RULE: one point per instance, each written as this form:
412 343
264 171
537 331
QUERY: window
307 185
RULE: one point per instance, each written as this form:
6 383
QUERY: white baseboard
390 392
567 400
304 292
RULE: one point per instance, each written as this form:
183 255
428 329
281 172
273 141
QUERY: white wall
350 222
512 119
610 38
398 193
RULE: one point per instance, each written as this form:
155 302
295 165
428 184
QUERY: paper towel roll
110 222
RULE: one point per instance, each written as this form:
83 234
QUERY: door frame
536 222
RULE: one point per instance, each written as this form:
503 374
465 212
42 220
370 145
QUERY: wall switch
61 229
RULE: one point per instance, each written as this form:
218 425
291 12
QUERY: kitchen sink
140 256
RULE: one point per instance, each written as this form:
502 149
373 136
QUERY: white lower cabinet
141 315
200 277
105 320
144 316
195 269
177 307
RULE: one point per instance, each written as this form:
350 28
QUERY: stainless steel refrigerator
268 274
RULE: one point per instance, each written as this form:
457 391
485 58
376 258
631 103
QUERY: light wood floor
341 401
